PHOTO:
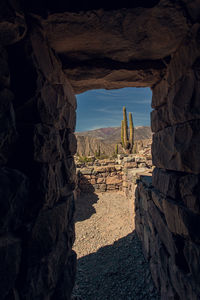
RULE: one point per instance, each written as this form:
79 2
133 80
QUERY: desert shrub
85 159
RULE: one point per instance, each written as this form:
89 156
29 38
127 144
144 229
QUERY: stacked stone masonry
168 208
37 174
167 222
155 45
110 175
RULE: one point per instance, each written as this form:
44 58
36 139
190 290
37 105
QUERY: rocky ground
110 260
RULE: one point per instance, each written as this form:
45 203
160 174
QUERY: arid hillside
89 142
113 134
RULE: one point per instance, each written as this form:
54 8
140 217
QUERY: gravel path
110 260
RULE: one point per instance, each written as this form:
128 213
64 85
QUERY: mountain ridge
141 133
88 142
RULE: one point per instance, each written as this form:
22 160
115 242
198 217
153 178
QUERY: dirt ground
110 260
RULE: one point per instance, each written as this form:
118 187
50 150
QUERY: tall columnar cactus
122 133
127 143
125 128
131 133
116 149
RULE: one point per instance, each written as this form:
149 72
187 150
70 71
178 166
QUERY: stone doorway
70 48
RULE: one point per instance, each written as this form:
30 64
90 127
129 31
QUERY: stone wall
37 174
100 179
110 175
37 144
168 209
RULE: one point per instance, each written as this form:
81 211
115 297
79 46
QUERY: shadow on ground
116 272
84 208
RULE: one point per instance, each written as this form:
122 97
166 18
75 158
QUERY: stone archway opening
71 49
104 217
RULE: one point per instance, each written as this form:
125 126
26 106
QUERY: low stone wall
100 179
130 178
169 231
110 175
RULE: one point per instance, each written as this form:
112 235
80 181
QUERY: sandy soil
110 260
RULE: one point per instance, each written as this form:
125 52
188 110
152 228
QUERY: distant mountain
106 138
113 134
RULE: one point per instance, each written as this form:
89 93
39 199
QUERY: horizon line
110 127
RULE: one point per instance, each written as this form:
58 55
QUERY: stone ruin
110 174
50 50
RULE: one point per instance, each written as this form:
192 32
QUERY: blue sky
103 108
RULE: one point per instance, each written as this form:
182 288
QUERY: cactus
122 133
127 143
116 149
131 134
125 128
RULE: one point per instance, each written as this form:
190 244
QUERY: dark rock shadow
117 271
84 202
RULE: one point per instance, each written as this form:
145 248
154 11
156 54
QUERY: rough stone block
157 199
69 143
153 263
86 171
174 217
147 180
87 177
160 119
44 58
159 270
47 144
8 133
181 221
113 180
177 148
192 254
102 187
101 169
146 241
190 192
48 230
166 182
43 275
160 92
101 180
14 199
130 165
144 195
54 109
67 279
162 229
185 56
110 186
12 24
55 181
183 98
93 181
95 186
10 258
182 283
